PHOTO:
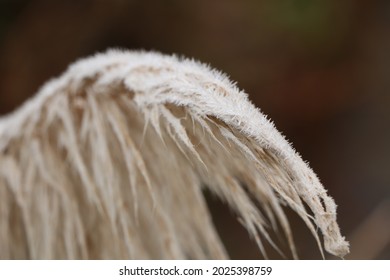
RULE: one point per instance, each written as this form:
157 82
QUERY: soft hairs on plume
110 161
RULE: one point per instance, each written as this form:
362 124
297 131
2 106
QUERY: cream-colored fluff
110 160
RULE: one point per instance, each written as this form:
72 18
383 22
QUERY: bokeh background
319 68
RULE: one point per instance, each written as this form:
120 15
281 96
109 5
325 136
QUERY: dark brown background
319 68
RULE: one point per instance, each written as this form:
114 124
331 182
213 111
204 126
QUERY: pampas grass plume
110 161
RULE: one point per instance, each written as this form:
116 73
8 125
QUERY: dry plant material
109 161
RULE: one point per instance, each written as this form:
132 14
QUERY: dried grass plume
109 161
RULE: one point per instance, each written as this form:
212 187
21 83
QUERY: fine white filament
110 161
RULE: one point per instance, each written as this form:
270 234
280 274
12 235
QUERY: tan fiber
110 161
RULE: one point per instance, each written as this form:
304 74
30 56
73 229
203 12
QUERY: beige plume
110 161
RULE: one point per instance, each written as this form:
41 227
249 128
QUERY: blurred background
319 68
